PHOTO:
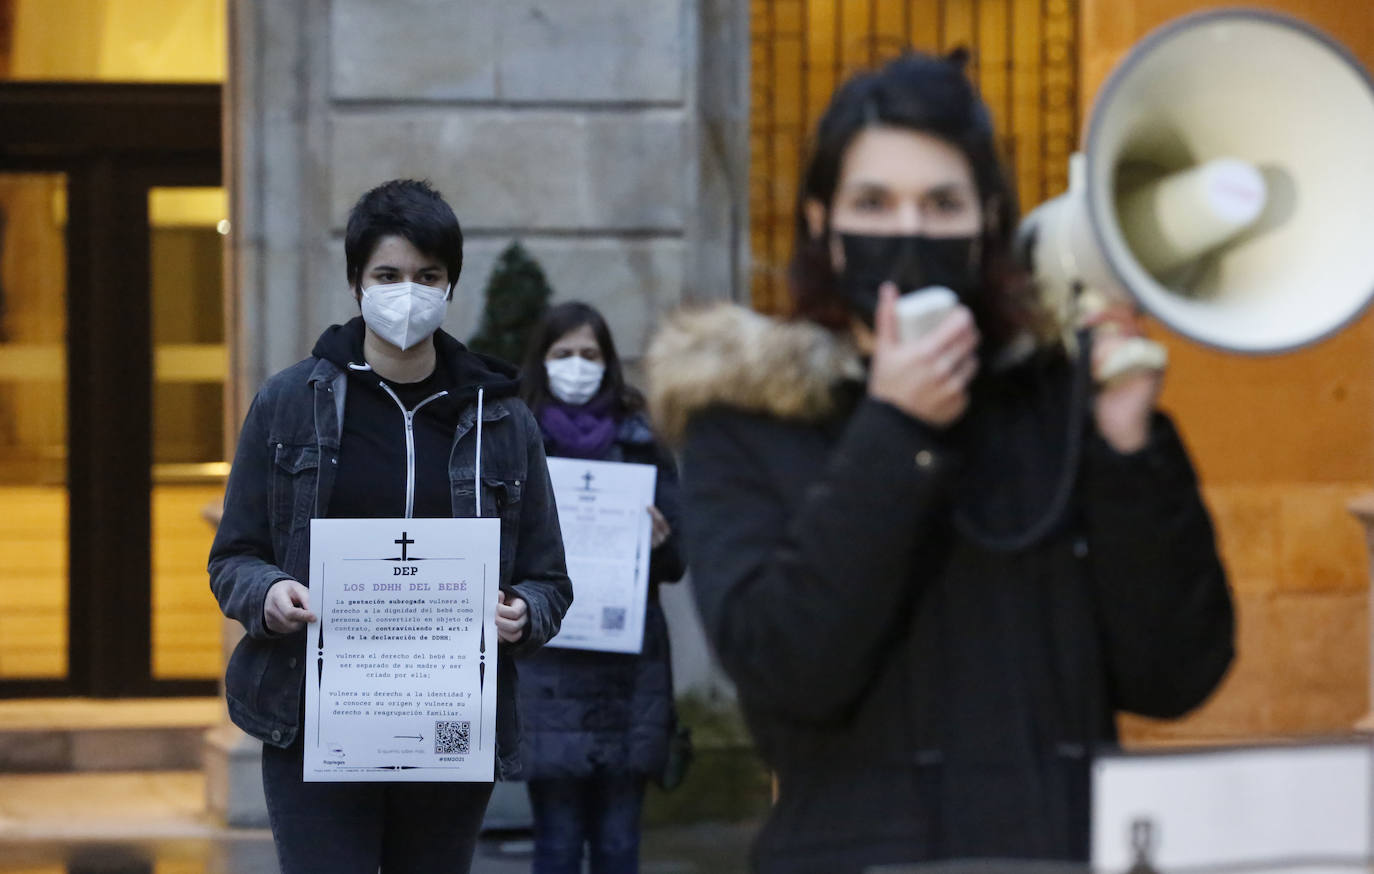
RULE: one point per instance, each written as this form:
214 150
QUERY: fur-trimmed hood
726 355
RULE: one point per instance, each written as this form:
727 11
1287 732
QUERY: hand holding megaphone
1129 370
1120 348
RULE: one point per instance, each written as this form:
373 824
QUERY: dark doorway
91 374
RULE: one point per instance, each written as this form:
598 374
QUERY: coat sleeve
242 562
802 603
668 562
1162 596
540 575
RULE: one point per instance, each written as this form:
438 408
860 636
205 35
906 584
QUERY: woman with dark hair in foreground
935 567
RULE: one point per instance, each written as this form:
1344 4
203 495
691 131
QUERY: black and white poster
603 509
401 666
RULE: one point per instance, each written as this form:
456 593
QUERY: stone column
271 122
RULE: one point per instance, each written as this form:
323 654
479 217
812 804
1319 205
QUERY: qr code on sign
452 737
612 618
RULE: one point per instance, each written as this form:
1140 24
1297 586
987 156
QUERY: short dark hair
409 208
930 95
558 321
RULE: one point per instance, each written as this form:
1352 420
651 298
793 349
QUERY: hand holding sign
511 618
287 607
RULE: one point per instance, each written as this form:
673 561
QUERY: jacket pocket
243 676
295 475
503 496
296 472
505 503
500 499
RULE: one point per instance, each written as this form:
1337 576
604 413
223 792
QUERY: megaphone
1226 184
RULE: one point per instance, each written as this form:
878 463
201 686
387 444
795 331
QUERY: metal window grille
1024 60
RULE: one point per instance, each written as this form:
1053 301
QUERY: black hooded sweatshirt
375 451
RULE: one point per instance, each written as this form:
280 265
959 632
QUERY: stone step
88 734
103 806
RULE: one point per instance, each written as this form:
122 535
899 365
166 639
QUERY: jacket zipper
410 442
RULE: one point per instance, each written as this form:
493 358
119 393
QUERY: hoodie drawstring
477 476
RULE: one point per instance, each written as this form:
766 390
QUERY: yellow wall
119 40
1281 444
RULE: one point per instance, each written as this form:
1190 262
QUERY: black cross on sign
404 541
587 478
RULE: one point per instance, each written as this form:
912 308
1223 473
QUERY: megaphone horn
1226 184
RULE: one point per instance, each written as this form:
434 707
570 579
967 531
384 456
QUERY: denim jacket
282 476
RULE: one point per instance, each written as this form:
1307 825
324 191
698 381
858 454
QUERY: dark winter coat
589 713
283 474
921 695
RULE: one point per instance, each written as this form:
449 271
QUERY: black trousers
359 828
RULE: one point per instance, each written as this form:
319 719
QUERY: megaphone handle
1132 355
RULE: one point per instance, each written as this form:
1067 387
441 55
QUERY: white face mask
404 313
574 380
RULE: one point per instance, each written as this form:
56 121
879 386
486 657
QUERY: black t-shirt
371 480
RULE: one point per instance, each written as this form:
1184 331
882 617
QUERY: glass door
185 228
34 592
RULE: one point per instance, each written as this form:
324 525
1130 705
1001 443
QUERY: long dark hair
558 321
930 95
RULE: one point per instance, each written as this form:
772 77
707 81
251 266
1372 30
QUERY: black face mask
912 262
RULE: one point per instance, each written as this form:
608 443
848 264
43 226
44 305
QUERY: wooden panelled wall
1024 61
1281 444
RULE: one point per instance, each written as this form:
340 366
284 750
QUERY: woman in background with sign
935 564
389 418
597 724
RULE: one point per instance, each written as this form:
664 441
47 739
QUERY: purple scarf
585 431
